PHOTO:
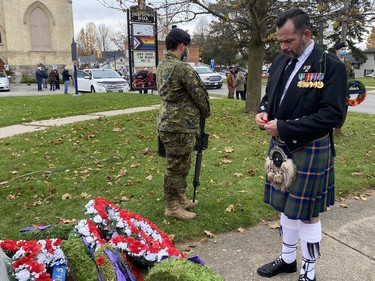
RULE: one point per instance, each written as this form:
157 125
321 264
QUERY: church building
34 33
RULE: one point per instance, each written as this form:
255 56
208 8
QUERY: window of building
40 31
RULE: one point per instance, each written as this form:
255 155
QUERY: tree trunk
254 80
259 10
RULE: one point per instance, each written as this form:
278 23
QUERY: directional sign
144 43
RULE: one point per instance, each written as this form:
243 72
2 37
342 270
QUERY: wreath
355 87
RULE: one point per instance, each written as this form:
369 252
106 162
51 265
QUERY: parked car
100 81
210 78
4 81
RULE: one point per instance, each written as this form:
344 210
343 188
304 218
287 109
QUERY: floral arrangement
30 259
137 237
358 88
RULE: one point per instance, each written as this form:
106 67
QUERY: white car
4 81
100 81
210 78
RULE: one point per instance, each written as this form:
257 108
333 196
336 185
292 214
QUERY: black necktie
284 78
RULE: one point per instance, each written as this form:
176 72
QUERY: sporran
280 170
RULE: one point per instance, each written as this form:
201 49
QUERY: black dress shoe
276 267
303 277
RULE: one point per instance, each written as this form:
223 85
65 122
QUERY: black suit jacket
306 114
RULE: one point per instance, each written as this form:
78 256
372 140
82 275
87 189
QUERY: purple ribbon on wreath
93 256
122 271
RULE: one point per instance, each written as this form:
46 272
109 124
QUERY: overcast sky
85 11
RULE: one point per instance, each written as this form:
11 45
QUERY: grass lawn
49 176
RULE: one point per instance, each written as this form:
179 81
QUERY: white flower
97 219
23 275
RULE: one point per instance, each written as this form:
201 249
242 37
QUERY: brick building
35 32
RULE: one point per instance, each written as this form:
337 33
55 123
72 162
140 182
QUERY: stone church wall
35 33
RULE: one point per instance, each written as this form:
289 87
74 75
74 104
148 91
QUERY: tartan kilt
312 190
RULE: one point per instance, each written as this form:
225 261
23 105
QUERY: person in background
66 79
39 76
184 102
143 75
341 51
231 82
52 80
305 99
240 85
57 79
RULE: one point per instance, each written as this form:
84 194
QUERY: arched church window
40 31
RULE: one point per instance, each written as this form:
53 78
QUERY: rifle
201 144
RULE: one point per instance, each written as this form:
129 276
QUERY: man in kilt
304 101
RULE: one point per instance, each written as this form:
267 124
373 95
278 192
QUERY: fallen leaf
209 234
122 173
66 196
241 230
228 149
117 130
226 161
274 225
237 175
343 205
230 208
357 174
149 178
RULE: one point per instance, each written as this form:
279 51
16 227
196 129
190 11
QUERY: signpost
142 46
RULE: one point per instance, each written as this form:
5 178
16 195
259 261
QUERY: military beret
340 45
180 35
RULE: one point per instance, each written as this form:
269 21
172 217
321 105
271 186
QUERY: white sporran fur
283 176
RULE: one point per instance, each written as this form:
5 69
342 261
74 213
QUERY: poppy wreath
136 236
355 87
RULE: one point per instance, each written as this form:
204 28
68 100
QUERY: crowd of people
236 83
53 79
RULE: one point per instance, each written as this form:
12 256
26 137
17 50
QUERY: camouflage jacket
184 99
349 69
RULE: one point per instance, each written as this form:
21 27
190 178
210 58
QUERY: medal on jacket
301 76
320 80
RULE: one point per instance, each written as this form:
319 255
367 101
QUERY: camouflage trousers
179 148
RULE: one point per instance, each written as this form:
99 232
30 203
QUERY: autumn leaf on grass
135 165
149 178
357 174
226 161
230 208
228 149
117 130
237 175
215 136
66 196
145 151
251 171
209 234
122 173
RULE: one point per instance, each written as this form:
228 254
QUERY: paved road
368 106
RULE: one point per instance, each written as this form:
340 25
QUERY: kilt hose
312 190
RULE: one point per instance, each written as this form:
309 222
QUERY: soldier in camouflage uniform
184 101
341 52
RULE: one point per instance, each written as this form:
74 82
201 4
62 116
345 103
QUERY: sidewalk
347 248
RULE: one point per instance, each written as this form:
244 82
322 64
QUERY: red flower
100 261
44 277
